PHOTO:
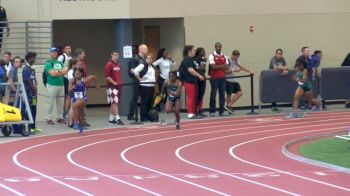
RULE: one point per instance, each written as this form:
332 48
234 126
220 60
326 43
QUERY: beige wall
327 32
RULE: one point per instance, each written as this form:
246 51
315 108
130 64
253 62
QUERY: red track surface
232 156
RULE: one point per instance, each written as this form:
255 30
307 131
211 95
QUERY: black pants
217 85
32 110
1 36
135 97
146 93
201 91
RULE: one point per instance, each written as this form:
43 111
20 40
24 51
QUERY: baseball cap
53 49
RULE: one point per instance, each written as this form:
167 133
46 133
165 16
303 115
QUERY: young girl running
304 86
172 88
77 89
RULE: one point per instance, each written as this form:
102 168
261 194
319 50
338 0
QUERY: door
152 40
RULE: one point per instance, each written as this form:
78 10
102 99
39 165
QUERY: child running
77 89
304 86
172 89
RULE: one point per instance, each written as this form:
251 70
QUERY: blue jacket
315 61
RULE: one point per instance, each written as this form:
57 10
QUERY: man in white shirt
64 59
7 61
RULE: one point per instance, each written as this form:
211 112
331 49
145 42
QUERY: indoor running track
230 156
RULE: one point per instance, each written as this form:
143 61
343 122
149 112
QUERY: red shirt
219 60
113 70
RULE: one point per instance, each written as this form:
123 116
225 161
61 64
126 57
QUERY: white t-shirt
150 76
64 57
164 66
70 74
233 66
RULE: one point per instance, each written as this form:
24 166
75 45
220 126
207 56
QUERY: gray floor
97 117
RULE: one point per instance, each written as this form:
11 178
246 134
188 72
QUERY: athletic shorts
232 87
113 95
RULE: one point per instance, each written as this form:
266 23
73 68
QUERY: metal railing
34 36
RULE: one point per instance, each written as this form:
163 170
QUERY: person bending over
172 90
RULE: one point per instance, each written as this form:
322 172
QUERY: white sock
117 117
111 117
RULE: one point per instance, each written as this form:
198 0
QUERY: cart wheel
25 131
6 130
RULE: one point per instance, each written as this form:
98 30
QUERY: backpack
44 75
153 115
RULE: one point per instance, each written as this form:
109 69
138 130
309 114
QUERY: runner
77 87
172 89
304 86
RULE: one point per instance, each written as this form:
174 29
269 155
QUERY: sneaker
178 127
76 127
131 118
85 124
61 121
112 122
120 122
221 114
35 130
50 122
315 109
81 130
190 116
292 115
276 110
212 114
202 115
229 109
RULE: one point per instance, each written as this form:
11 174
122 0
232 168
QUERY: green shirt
54 65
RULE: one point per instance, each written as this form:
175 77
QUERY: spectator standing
232 86
164 63
189 76
64 58
55 72
279 64
201 60
218 64
13 78
135 62
3 79
30 84
3 24
7 62
113 77
146 75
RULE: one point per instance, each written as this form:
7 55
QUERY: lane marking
11 190
231 151
128 131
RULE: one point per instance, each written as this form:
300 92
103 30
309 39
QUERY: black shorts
66 84
232 87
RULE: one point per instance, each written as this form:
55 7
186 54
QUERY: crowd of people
67 80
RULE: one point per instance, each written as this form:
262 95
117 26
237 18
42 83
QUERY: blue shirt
315 61
28 75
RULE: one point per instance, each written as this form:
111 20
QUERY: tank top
79 92
172 88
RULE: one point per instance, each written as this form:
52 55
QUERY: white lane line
11 190
231 151
71 160
178 154
127 131
123 154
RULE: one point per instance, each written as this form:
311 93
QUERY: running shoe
112 122
76 126
178 127
81 130
61 121
120 122
35 130
202 115
229 109
293 115
276 110
315 108
50 122
86 124
212 114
